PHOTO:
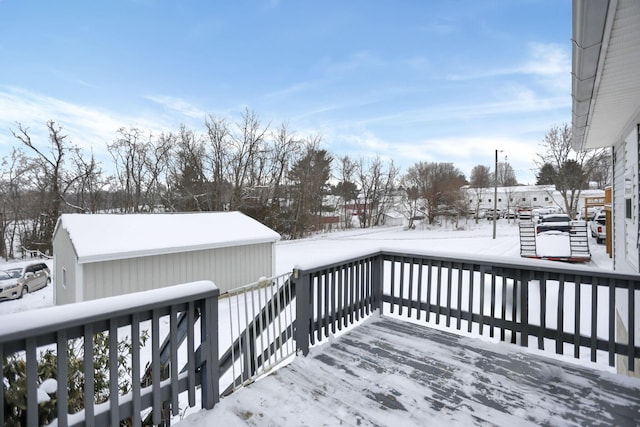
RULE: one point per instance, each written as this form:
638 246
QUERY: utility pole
495 195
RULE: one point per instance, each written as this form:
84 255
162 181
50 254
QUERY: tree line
286 181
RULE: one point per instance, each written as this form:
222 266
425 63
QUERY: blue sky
408 80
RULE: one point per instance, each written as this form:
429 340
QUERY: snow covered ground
469 238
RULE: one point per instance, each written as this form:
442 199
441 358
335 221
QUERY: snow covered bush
15 378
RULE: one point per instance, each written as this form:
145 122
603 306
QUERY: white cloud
86 126
178 105
550 62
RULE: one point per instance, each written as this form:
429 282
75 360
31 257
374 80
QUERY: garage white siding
228 268
65 269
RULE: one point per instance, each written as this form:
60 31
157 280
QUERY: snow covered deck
390 372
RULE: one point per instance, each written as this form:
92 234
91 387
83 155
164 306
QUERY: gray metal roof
606 71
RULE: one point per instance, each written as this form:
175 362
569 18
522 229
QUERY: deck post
377 283
211 366
302 282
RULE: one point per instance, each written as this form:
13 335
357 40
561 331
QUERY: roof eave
592 25
171 250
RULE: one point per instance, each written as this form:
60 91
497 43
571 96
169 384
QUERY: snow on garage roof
104 237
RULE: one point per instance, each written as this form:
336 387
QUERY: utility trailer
567 247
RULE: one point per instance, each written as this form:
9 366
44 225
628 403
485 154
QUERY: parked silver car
16 282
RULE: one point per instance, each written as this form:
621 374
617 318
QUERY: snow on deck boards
387 372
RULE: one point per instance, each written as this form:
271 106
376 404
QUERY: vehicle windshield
555 219
15 272
4 275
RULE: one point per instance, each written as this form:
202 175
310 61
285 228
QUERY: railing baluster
518 289
62 394
410 296
232 337
393 283
576 322
352 294
89 377
525 281
449 279
560 316
482 288
612 323
32 382
156 367
327 296
332 282
341 299
367 287
493 303
279 291
401 296
114 406
361 288
594 318
419 293
173 333
503 308
472 275
632 326
261 328
429 274
439 292
460 276
136 371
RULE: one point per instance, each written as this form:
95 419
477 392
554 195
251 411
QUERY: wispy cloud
86 126
542 60
178 105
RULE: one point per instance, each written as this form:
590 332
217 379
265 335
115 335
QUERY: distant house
606 113
102 255
523 196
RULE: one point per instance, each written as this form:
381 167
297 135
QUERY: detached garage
97 256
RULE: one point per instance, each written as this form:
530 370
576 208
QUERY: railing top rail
536 265
38 322
337 261
261 283
517 263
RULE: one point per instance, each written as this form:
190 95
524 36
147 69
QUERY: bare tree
245 164
140 165
90 188
53 183
600 166
439 185
188 181
479 182
571 168
14 187
506 175
220 158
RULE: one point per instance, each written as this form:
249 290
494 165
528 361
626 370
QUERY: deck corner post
376 282
302 282
211 364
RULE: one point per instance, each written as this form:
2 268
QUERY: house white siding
625 233
625 206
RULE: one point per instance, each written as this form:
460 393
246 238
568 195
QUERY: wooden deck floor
392 373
